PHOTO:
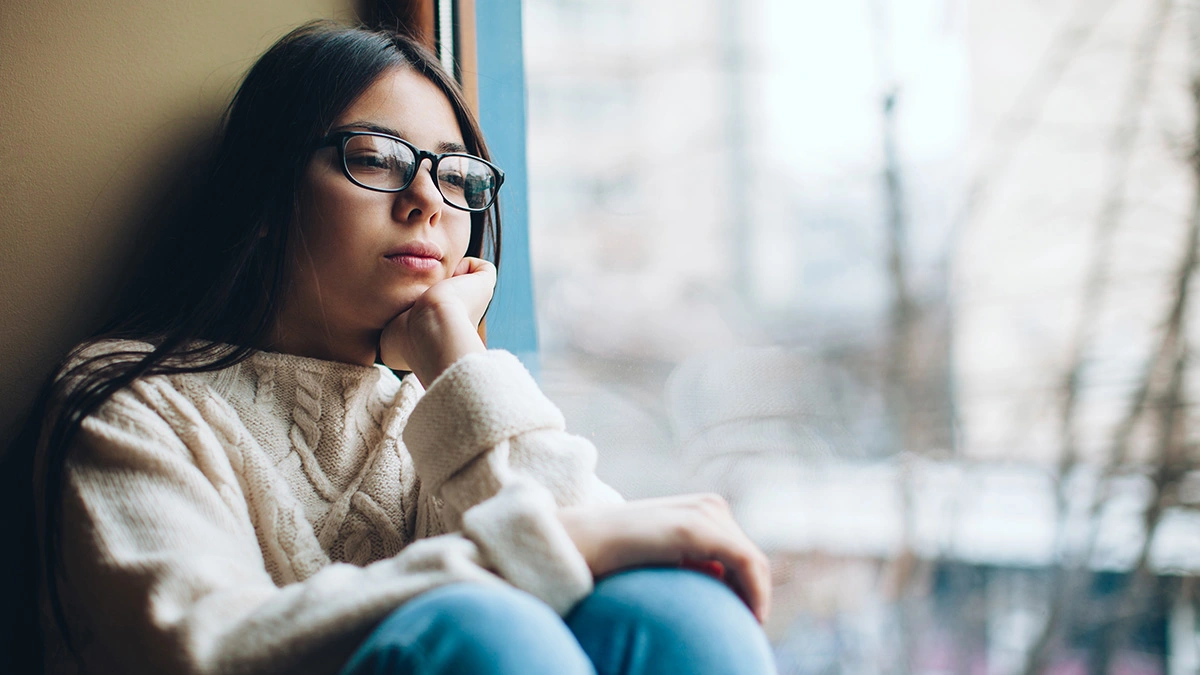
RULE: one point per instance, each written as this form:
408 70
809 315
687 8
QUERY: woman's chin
405 297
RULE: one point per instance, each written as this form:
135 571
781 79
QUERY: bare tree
1159 386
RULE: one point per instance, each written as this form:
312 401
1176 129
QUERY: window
839 262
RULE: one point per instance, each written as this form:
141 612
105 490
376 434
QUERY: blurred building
700 188
839 262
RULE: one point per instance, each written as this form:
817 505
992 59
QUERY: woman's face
361 257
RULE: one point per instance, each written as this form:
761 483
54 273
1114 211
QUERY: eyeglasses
386 163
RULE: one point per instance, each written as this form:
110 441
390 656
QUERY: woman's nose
421 200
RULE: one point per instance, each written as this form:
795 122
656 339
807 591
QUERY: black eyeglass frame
341 138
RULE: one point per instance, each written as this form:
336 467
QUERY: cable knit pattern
306 433
262 519
264 391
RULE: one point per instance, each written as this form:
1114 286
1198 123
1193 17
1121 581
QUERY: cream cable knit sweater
264 518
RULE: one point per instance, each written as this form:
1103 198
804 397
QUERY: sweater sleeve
163 570
488 444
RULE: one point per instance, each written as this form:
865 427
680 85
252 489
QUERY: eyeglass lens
379 162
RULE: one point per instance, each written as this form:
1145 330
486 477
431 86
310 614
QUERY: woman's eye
369 161
454 180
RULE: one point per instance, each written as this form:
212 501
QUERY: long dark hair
213 304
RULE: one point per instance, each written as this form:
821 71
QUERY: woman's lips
417 263
419 256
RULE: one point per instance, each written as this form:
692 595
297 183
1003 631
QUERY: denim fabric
637 622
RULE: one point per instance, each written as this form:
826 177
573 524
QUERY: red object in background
712 568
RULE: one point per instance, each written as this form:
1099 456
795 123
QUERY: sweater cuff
481 400
520 534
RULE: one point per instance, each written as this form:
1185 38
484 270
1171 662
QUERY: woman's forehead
408 104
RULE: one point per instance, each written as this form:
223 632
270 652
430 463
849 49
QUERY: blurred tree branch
1073 574
1014 127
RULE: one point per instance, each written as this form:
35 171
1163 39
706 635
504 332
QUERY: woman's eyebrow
370 126
444 146
448 146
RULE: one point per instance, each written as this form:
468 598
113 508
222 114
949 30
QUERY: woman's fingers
473 282
746 569
748 574
470 265
690 529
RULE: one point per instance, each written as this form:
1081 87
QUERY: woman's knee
470 628
670 618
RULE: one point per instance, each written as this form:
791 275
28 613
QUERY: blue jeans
642 621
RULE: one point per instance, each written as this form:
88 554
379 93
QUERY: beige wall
96 98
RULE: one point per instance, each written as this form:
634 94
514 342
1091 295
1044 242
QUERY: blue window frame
511 321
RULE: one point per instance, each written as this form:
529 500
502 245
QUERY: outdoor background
909 282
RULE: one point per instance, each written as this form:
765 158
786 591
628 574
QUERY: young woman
235 485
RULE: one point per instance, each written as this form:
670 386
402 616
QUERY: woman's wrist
440 335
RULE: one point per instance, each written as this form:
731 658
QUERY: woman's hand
671 530
442 325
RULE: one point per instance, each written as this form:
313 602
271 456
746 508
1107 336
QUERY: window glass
902 280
